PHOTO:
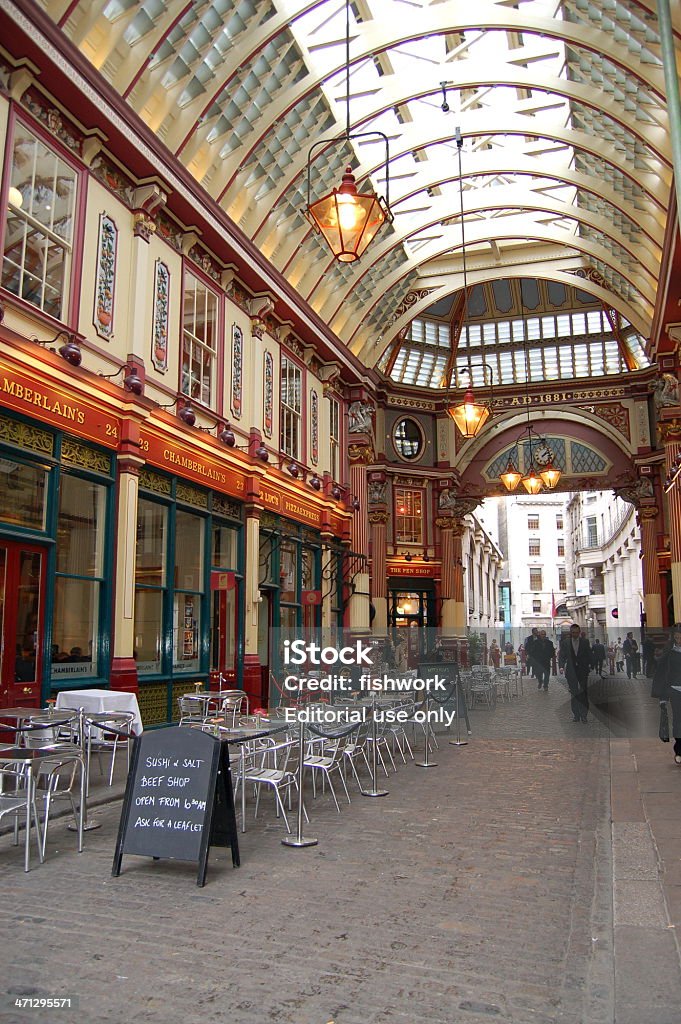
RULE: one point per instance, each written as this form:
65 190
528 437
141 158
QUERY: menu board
178 799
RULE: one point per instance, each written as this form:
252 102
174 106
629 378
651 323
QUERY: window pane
188 552
224 553
80 530
38 235
148 626
22 494
152 526
186 632
75 627
288 571
199 315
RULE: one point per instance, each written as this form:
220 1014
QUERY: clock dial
543 454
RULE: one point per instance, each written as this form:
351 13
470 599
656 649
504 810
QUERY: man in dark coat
543 656
631 655
529 645
598 653
574 657
667 677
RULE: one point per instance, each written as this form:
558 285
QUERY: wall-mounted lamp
184 413
426 556
70 350
315 483
293 470
132 380
336 492
227 436
408 556
355 505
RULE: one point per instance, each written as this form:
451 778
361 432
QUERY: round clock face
543 454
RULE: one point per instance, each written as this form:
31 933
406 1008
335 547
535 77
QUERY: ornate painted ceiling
566 158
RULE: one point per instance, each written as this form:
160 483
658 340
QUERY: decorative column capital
378 517
648 512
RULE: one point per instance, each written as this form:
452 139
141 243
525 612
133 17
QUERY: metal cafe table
28 761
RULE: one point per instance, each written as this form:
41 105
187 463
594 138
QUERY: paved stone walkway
533 876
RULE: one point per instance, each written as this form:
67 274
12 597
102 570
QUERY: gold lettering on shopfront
70 413
305 513
194 466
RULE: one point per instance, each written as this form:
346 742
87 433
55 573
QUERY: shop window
199 340
79 577
291 408
536 579
23 490
188 587
334 440
150 584
534 547
408 516
38 244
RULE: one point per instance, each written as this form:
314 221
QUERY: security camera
445 107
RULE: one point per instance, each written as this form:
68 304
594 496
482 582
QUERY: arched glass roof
566 162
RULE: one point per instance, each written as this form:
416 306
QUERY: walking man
544 652
631 656
530 644
574 657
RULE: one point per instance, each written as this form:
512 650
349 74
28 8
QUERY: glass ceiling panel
560 104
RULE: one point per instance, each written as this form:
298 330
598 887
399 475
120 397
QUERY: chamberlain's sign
58 408
181 461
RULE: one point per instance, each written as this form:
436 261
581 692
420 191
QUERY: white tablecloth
102 700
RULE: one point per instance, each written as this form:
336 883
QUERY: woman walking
665 682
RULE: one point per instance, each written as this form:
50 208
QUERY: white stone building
532 536
604 564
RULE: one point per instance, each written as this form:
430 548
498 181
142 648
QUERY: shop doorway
410 612
22 613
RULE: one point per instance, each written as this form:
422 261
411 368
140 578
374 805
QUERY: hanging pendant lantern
511 476
470 415
532 481
347 219
550 475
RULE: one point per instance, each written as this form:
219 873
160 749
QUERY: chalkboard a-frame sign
178 799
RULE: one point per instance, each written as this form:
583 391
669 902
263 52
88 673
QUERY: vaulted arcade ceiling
566 159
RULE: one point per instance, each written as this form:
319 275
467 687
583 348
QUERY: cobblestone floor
479 890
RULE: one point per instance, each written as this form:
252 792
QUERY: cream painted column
379 574
123 673
252 676
453 620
